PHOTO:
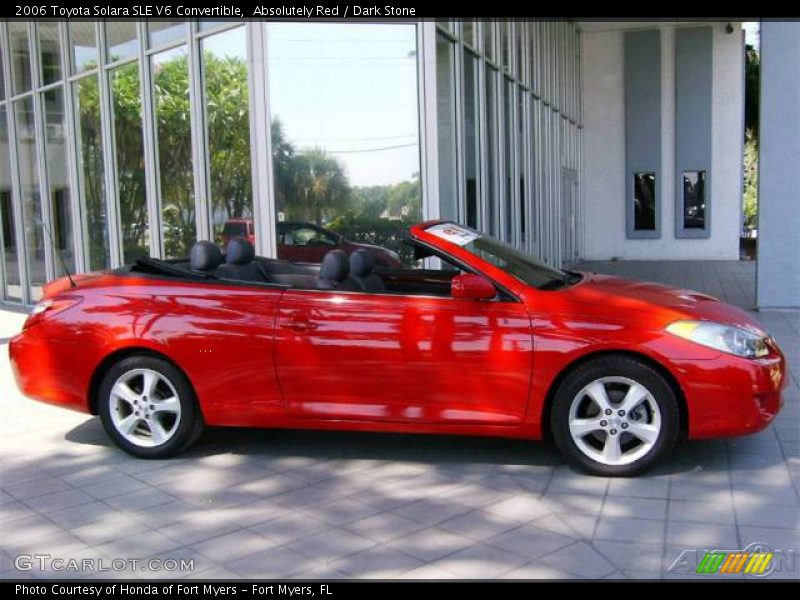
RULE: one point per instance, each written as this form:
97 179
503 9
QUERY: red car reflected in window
300 241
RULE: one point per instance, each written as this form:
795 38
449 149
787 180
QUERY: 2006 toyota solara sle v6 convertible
484 340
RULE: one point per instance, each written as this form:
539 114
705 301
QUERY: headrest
205 256
239 251
361 263
334 266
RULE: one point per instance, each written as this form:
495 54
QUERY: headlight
725 338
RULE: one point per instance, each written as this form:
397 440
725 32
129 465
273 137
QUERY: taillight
48 307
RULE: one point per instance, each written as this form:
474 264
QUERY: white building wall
603 89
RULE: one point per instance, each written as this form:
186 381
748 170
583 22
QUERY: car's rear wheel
148 407
615 416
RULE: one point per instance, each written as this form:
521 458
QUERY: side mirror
471 286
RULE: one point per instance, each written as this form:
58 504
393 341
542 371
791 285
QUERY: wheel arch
121 354
683 410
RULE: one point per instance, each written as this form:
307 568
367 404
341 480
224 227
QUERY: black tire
189 426
615 366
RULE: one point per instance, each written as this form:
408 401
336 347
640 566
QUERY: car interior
338 271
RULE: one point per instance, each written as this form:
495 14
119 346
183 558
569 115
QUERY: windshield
523 266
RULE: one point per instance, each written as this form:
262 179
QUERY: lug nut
603 423
624 425
152 407
608 411
621 413
613 432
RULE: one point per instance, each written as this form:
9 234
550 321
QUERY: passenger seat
334 271
240 262
362 272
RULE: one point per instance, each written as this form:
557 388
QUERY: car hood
620 296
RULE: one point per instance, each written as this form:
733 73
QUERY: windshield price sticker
454 233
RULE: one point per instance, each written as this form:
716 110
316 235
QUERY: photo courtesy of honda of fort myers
492 343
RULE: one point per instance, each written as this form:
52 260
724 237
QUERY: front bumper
729 395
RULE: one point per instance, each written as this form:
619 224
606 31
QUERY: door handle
300 324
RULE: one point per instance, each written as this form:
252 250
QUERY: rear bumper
44 370
730 396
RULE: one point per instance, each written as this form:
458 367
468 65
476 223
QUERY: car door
384 357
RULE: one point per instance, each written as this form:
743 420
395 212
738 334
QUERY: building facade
569 140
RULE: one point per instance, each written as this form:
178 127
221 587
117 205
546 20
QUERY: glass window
533 54
58 178
523 187
174 139
644 201
207 24
11 286
509 101
83 45
471 136
521 46
163 32
128 153
506 41
31 202
694 199
20 56
445 24
122 40
446 111
227 116
90 170
49 51
489 39
469 33
493 212
346 149
2 77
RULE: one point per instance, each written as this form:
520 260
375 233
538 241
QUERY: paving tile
580 559
701 512
529 541
380 562
630 530
628 556
537 570
639 487
330 544
481 562
638 508
479 525
232 546
431 544
273 562
522 508
387 526
697 535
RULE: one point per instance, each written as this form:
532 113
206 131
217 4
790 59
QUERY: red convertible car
485 340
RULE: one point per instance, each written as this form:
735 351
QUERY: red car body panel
266 356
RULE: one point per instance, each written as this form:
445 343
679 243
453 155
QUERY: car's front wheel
615 416
148 407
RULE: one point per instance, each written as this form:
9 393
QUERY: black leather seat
362 272
205 256
240 263
334 270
